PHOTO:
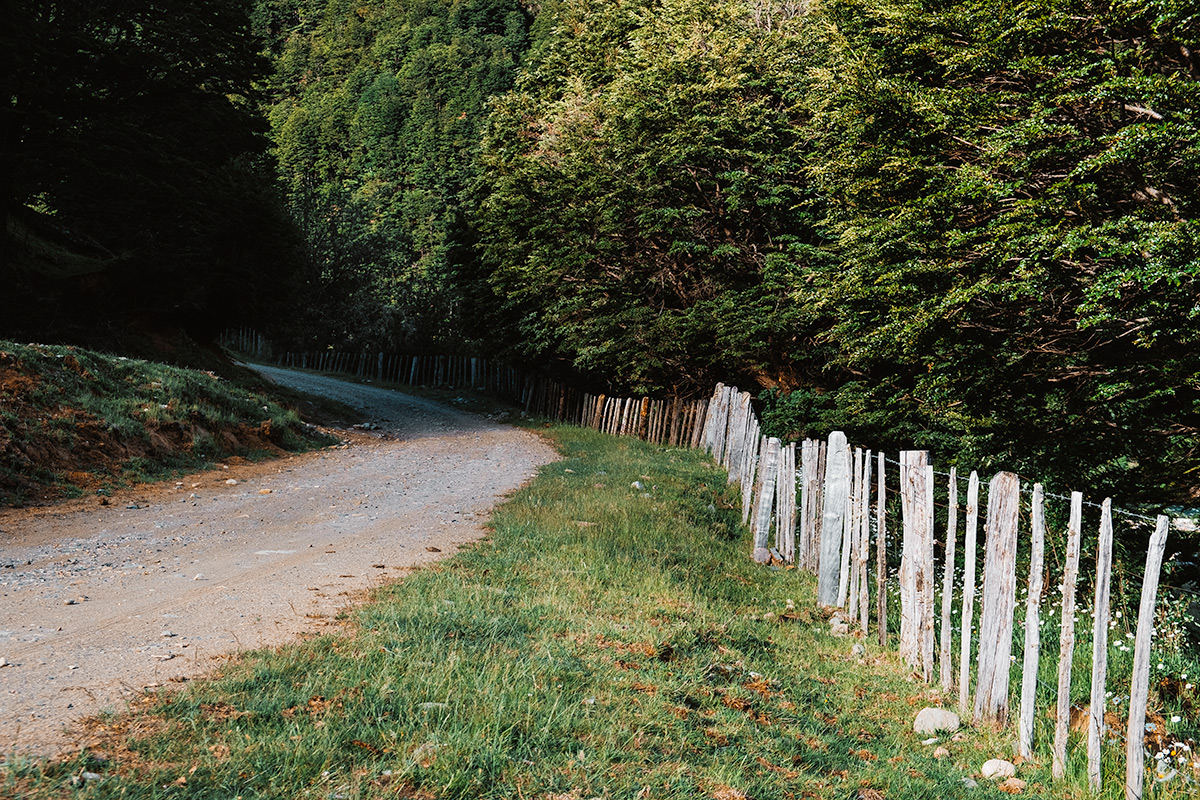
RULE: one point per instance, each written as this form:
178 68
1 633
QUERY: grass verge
608 641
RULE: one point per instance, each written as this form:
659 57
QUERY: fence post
768 475
1100 607
1066 646
881 552
946 668
1140 685
833 512
848 579
999 600
916 563
751 456
864 543
968 607
1033 633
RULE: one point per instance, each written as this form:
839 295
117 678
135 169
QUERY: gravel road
98 603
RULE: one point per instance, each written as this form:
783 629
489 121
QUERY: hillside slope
75 421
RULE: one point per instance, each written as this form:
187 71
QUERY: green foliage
374 114
661 135
1011 197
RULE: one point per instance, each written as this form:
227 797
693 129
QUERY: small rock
73 666
970 783
433 549
931 720
998 768
958 737
70 602
85 777
941 752
425 754
637 485
231 482
930 740
199 577
265 491
169 634
1012 786
858 651
838 627
4 662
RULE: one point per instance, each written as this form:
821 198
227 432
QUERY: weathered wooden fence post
848 577
1135 736
833 513
999 600
916 563
1033 633
756 445
968 601
881 552
864 543
1100 608
1066 647
785 504
946 668
769 474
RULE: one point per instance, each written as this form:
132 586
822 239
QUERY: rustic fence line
833 545
819 510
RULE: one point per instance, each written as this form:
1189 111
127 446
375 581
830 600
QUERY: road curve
99 602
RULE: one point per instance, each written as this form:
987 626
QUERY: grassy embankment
606 641
74 421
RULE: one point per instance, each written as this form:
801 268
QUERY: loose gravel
99 603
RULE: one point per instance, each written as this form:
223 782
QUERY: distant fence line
675 421
817 514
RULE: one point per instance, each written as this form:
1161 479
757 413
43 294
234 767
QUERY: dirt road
99 602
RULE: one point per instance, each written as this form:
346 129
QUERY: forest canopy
963 225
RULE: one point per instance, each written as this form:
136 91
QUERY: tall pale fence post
1033 633
785 504
739 419
864 544
968 604
946 668
848 580
808 480
1140 684
999 600
816 509
769 474
755 449
916 563
833 512
881 552
1100 607
1066 646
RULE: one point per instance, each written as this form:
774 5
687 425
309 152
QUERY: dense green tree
375 112
1012 191
643 205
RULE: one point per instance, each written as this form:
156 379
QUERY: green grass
125 420
605 641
